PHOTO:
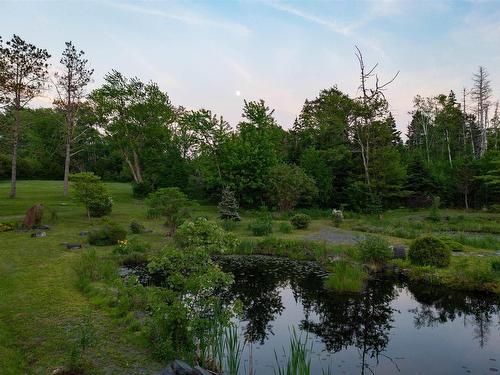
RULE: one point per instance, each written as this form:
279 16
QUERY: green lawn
40 306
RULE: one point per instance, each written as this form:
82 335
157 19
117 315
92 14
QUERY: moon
238 93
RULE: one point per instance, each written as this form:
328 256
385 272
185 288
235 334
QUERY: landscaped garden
155 280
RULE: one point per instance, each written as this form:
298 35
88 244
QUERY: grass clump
298 357
374 250
300 221
452 244
261 227
429 251
109 234
285 227
136 227
90 268
346 277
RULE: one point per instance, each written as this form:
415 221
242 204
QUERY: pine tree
228 206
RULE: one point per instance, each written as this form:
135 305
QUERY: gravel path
336 236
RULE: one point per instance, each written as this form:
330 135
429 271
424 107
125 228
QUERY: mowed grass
39 304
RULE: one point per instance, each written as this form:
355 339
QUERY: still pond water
391 328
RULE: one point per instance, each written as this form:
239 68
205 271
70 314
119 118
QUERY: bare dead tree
372 104
70 85
24 76
481 92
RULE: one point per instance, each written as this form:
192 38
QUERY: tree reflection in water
362 321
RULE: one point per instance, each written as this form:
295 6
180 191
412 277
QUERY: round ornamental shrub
300 221
100 206
429 251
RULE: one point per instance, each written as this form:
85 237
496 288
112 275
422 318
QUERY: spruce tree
228 206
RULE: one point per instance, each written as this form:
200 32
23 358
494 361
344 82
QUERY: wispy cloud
190 19
330 24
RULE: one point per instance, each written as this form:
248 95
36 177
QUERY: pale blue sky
203 52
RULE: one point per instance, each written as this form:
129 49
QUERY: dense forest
343 150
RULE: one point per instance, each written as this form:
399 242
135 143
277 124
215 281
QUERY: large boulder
33 217
398 252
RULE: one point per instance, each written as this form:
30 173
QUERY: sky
214 54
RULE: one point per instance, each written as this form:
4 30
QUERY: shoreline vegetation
82 300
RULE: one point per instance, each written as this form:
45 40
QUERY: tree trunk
137 167
67 160
466 197
15 141
448 145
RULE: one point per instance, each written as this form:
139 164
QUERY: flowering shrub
4 227
133 245
337 217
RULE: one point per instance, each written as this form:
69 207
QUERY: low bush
337 217
109 234
374 249
300 221
136 227
261 227
229 225
495 265
7 226
204 234
285 227
471 274
346 277
133 245
452 244
429 251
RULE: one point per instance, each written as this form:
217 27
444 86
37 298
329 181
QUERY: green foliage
134 245
85 338
262 226
229 225
136 227
288 185
346 277
375 249
8 226
434 212
495 265
285 227
337 217
108 234
185 308
91 192
298 360
170 203
90 268
205 235
452 244
429 251
300 221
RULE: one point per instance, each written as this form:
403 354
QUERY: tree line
341 151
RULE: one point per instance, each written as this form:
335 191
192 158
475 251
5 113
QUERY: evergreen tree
228 206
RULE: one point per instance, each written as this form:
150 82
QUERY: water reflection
357 326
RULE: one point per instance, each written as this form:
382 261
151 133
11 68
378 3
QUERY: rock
181 368
197 370
72 246
42 227
33 217
38 234
84 233
398 252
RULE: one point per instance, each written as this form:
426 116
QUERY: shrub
300 221
346 277
109 234
495 265
261 227
170 203
92 193
429 251
206 235
452 244
229 225
142 189
136 227
337 217
374 249
5 227
285 227
131 246
434 212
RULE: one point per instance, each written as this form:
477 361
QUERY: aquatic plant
298 358
346 277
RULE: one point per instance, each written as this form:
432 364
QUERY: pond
391 328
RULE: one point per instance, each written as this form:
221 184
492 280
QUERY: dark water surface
390 328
